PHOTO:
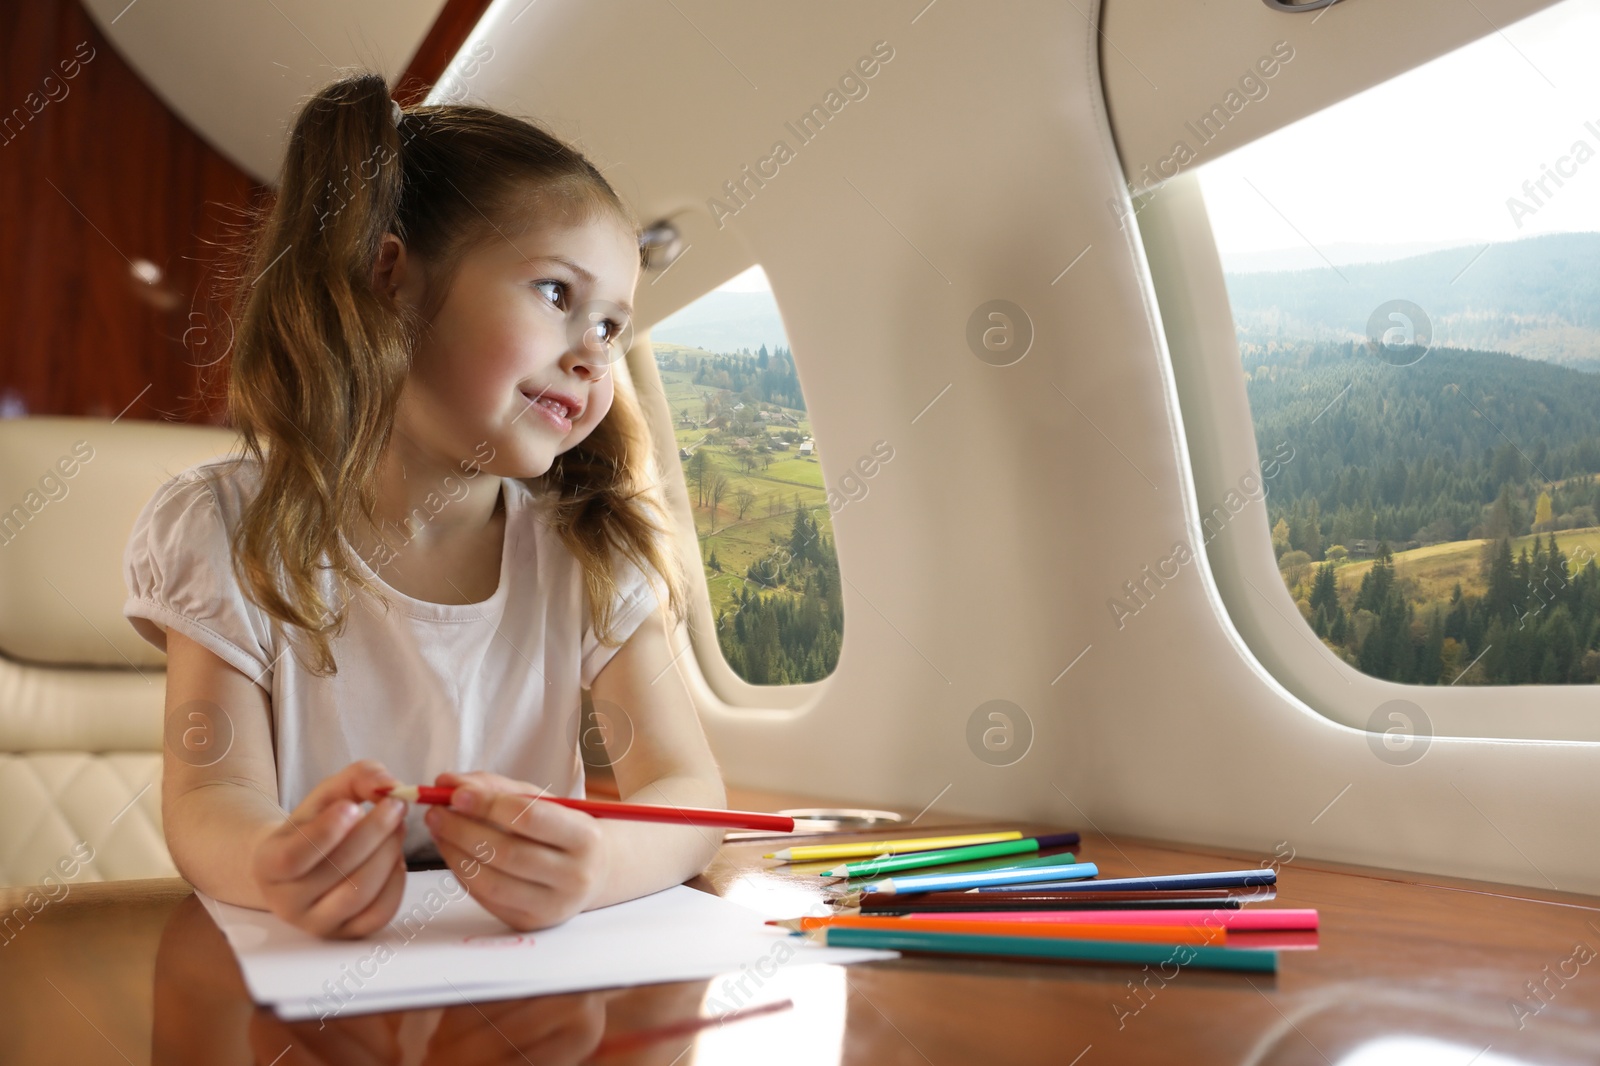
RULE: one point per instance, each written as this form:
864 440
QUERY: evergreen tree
1501 580
1431 663
1325 588
1375 583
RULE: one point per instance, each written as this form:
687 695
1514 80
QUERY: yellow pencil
808 852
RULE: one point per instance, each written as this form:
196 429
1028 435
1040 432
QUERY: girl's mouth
552 410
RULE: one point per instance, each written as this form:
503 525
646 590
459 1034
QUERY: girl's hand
330 870
530 864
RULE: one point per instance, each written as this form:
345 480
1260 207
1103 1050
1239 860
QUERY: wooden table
1410 970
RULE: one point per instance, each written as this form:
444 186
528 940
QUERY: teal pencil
1254 960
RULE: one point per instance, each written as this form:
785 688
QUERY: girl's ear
390 270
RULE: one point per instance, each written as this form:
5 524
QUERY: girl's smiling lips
573 406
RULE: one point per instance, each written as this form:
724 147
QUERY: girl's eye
604 330
611 330
558 284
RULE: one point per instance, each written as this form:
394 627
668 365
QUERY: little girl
427 327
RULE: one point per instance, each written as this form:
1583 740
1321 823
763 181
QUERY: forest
1438 523
766 377
781 640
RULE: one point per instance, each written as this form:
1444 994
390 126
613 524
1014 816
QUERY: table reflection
203 1015
1425 1051
810 1034
1382 1024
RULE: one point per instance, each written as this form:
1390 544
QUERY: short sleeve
636 599
179 572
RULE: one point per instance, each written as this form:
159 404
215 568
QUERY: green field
1432 571
787 481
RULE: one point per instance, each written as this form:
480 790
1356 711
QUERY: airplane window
1414 276
761 508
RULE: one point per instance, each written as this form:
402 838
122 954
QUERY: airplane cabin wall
1020 498
977 167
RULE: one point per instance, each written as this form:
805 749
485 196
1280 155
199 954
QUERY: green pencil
1003 862
913 860
1256 960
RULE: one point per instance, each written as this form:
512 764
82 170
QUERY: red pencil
634 812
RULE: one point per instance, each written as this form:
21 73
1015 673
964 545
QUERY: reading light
661 244
1308 5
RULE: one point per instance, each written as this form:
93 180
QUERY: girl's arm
219 788
324 867
668 762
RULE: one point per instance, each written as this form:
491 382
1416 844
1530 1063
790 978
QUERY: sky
1431 155
753 280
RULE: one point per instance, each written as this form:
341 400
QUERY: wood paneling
449 32
113 211
115 221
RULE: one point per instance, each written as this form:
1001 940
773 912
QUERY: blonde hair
320 356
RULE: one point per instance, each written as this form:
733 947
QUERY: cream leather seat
81 694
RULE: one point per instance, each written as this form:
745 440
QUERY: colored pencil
1216 879
946 882
1004 862
633 812
1254 920
1276 939
867 849
942 856
1150 934
1205 956
1052 900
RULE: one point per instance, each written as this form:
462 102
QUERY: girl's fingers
321 820
295 848
380 910
548 823
486 782
357 782
354 892
357 846
525 905
527 860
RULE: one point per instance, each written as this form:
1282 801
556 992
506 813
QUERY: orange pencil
1156 934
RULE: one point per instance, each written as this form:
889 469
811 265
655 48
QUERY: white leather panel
70 489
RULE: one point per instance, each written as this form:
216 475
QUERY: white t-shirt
424 688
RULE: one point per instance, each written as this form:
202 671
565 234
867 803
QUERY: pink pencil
1239 920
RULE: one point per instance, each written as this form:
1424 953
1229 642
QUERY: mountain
725 322
1308 258
1538 298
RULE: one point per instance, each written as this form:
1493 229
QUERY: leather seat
81 694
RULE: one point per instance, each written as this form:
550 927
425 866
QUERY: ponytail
320 359
321 356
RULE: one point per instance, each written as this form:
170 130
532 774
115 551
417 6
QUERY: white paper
443 948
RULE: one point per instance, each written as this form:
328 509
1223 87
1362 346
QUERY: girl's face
519 355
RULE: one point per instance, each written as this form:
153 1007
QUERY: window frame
1218 439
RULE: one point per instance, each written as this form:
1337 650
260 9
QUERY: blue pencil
1217 879
975 879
